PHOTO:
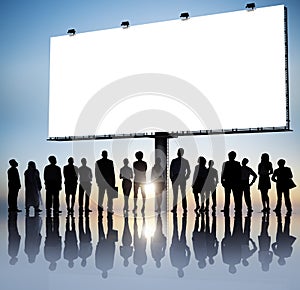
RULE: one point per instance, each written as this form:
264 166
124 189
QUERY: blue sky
26 28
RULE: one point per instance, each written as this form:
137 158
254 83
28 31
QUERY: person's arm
188 170
97 173
195 174
113 174
254 176
274 176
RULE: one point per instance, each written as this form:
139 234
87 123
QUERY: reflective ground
203 251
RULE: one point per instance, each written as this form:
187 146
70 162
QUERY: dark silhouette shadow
126 249
231 243
14 237
105 178
53 246
33 237
212 182
139 247
105 250
85 187
139 169
283 247
70 172
199 179
231 181
126 175
179 172
14 186
158 179
85 240
265 256
53 180
71 242
180 253
283 177
211 238
158 243
265 168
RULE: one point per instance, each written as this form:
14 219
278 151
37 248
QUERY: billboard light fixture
184 16
250 6
125 24
71 31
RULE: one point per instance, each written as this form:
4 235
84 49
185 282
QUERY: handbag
291 183
114 192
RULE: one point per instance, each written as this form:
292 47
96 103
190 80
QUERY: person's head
245 262
83 161
281 162
104 274
245 161
180 273
265 157
104 154
281 261
139 155
31 165
52 159
83 262
52 266
231 155
201 264
71 161
211 163
13 163
125 161
232 269
180 152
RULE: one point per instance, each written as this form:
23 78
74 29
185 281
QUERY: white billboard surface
236 61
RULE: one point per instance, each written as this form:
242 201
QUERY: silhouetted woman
264 184
33 186
126 175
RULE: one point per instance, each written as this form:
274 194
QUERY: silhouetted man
179 172
14 186
139 169
85 186
158 243
71 176
212 181
231 181
53 179
105 178
85 240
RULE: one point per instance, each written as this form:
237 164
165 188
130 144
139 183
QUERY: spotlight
125 24
184 16
71 32
250 6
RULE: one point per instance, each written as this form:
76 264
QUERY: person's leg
237 195
183 195
136 186
214 199
12 198
196 198
80 197
101 192
175 196
143 196
109 199
67 198
227 191
48 200
247 196
287 200
56 200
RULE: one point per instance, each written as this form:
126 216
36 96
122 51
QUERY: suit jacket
104 171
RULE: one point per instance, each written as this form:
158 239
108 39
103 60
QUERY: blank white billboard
220 71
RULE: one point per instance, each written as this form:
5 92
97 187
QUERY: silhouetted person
283 247
14 238
265 256
264 184
200 186
139 169
200 241
211 238
85 240
158 180
139 247
70 172
246 172
231 243
14 186
105 178
179 172
247 250
105 250
53 179
33 188
71 242
126 175
53 246
158 243
231 181
85 187
180 253
212 181
126 249
282 175
33 237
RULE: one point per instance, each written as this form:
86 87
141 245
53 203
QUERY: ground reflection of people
158 243
33 236
126 249
180 253
211 239
231 243
85 240
247 251
283 247
139 247
53 247
105 250
265 256
14 237
71 242
158 179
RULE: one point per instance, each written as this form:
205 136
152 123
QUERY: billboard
221 71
